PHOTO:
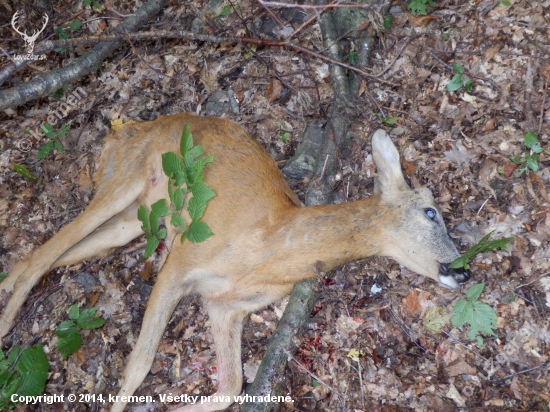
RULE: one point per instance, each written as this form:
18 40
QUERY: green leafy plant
64 33
530 160
387 22
480 316
68 331
460 80
388 120
226 11
26 173
59 93
55 144
3 276
417 7
188 170
352 57
24 372
482 246
94 3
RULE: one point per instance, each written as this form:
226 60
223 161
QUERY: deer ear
390 180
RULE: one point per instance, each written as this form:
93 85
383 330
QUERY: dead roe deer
263 241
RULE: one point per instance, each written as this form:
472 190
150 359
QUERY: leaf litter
458 144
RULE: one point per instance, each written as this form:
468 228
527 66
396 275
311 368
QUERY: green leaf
458 68
474 292
196 151
482 246
45 150
75 25
198 232
159 208
462 313
33 367
352 57
178 199
387 22
33 359
58 94
186 142
532 163
520 172
179 178
196 208
530 139
469 86
151 246
202 192
417 7
14 354
195 173
58 146
505 3
485 318
70 339
455 83
32 383
171 163
74 313
23 171
388 120
88 320
3 276
177 221
143 216
516 159
537 148
225 11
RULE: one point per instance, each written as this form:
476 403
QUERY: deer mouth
452 277
460 275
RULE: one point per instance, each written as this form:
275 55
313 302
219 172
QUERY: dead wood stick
269 379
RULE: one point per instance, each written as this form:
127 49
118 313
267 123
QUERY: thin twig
266 8
322 7
533 281
534 368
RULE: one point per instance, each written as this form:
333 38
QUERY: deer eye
430 213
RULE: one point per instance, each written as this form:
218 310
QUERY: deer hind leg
172 285
115 197
117 231
227 326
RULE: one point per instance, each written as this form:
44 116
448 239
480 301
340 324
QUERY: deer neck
335 234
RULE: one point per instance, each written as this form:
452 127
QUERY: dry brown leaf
410 303
274 89
422 20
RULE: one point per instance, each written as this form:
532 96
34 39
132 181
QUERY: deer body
263 241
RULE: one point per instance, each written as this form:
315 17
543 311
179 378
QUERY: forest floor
370 345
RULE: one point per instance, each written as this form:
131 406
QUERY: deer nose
460 275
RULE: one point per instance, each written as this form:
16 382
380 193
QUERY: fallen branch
54 80
269 379
106 44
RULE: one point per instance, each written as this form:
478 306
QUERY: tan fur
263 243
